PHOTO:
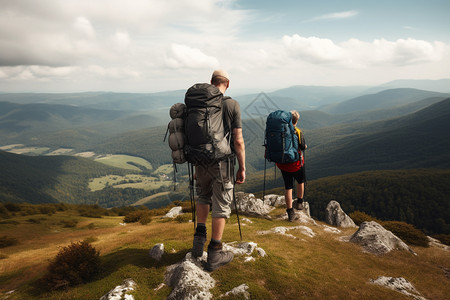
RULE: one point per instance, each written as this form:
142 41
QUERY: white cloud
84 27
182 56
337 15
356 54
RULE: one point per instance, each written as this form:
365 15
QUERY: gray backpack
177 138
206 140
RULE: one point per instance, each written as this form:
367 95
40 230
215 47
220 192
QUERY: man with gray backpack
213 129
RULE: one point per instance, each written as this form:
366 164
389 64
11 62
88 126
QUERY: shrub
358 217
69 223
132 217
443 238
142 216
145 219
12 207
92 211
34 221
74 264
3 211
183 218
407 233
6 241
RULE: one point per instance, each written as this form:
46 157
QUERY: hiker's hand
240 176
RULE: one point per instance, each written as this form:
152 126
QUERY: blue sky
157 45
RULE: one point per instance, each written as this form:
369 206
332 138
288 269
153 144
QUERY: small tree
74 264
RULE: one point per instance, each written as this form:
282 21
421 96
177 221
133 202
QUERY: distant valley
360 129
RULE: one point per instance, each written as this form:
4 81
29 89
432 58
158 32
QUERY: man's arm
239 148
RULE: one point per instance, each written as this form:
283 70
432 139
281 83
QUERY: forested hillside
419 140
51 179
383 99
419 197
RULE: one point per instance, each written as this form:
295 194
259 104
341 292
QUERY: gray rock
283 231
274 200
157 251
120 291
337 217
376 239
250 205
301 216
189 280
239 291
399 284
174 212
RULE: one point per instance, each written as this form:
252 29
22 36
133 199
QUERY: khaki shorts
214 187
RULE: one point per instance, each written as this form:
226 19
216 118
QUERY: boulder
250 205
189 280
120 291
157 252
376 239
244 248
274 200
398 284
174 212
335 216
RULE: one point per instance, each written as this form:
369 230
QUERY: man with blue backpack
285 144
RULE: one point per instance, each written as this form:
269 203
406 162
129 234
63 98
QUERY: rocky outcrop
189 280
399 284
248 204
239 292
174 212
274 200
283 231
337 217
157 251
301 216
120 291
375 239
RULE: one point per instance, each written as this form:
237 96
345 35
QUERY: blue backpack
281 139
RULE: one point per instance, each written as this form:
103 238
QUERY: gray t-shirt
231 116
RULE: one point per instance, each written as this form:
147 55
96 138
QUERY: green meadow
125 162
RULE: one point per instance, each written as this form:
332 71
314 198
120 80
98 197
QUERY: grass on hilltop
321 267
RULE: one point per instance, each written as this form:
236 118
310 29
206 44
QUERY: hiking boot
198 244
291 214
217 257
299 205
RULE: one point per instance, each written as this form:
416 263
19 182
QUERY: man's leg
202 209
288 187
222 197
202 213
218 225
288 198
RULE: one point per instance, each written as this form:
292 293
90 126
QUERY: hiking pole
234 198
264 184
191 191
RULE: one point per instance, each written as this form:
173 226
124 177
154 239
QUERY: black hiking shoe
299 205
291 214
198 244
217 257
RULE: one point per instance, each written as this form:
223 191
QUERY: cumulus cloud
356 53
182 56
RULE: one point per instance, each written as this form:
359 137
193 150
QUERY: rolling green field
128 181
125 162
